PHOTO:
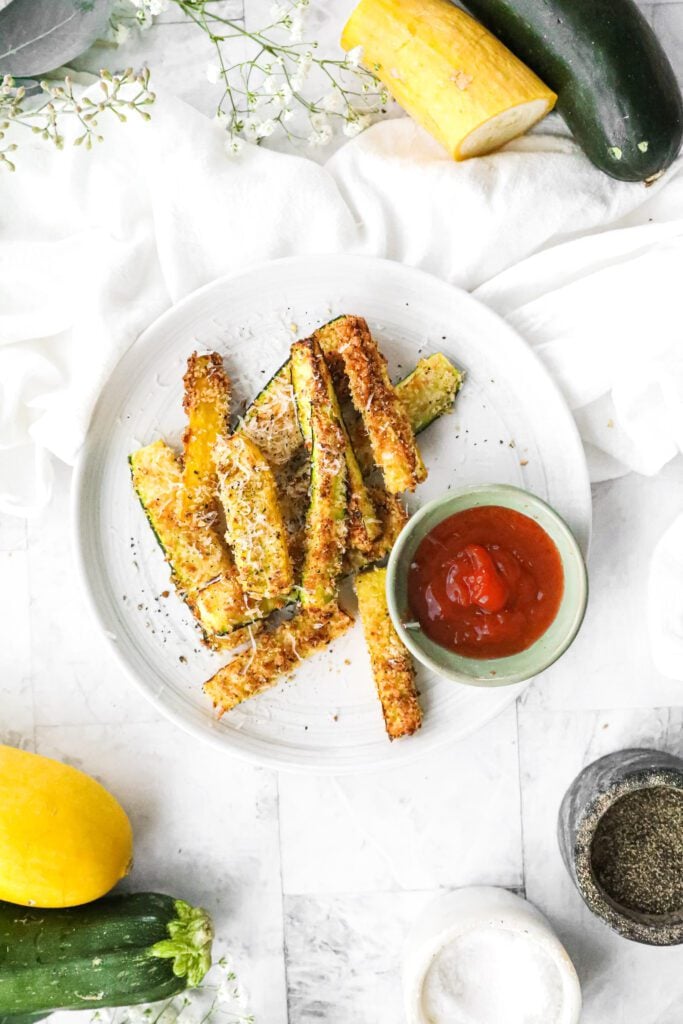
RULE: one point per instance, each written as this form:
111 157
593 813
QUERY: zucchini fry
201 566
393 516
255 530
426 394
326 519
364 526
385 419
274 655
207 404
392 666
429 391
271 422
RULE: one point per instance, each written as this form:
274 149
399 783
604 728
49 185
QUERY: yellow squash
448 72
64 840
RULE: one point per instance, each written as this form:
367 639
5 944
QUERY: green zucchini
616 88
326 518
117 951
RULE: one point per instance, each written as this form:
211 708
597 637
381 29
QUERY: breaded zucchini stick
363 523
385 419
326 518
429 391
271 422
392 666
201 566
426 394
207 403
254 527
393 517
275 654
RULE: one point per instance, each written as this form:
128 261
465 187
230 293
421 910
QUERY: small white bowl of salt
482 955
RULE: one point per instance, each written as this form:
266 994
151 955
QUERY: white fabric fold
94 246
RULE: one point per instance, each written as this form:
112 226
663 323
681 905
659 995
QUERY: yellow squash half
448 72
64 840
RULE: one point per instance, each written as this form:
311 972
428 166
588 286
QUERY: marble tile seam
520 783
322 897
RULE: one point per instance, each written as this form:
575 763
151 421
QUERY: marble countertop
313 882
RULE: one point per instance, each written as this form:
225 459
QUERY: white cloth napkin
94 246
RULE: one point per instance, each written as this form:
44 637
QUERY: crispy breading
206 401
271 422
385 419
255 529
274 654
201 566
363 523
392 666
393 517
426 393
326 518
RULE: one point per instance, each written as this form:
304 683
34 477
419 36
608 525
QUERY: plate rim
87 452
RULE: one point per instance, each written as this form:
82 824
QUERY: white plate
510 425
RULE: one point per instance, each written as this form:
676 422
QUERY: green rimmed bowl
489 671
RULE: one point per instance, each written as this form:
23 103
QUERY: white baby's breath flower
287 115
278 12
120 34
304 63
226 993
320 137
353 57
283 95
296 25
319 121
137 1014
153 7
233 145
333 102
265 128
168 1015
355 125
213 73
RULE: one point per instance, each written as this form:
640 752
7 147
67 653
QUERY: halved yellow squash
448 72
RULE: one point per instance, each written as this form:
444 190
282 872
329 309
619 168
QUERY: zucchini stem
189 945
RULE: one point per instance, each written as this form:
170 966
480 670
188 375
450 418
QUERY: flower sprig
263 91
219 1000
44 115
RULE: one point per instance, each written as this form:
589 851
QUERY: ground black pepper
637 851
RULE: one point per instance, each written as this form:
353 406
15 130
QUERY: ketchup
486 582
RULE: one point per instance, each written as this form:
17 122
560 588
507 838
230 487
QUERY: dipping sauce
486 582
